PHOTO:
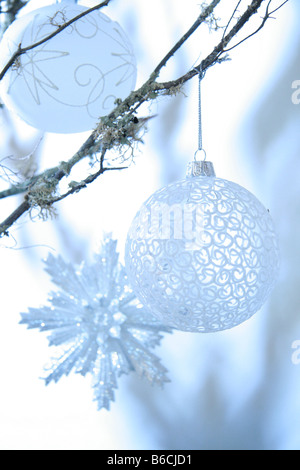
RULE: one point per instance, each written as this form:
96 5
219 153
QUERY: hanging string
200 150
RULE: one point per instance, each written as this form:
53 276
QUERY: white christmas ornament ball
201 253
65 84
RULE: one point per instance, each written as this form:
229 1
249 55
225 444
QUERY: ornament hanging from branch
65 84
201 253
98 325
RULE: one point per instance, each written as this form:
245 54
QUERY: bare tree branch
216 55
76 187
207 12
119 127
231 18
266 17
21 210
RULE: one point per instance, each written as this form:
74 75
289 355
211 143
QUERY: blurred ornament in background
98 325
67 83
201 253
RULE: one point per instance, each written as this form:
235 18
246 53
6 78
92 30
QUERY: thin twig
121 117
21 210
200 20
231 18
220 50
83 184
279 7
267 16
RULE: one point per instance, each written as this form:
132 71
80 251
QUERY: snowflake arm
98 325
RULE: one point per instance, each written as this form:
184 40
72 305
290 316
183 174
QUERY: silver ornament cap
200 168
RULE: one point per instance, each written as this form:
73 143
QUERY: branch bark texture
120 127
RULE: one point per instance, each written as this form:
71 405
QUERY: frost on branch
98 325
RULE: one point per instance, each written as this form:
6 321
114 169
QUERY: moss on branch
122 128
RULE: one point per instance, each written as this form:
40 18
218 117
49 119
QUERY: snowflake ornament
98 324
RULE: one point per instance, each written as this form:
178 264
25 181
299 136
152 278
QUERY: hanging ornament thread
200 154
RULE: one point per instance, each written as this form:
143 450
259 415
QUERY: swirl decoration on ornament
202 254
67 83
37 81
88 27
94 82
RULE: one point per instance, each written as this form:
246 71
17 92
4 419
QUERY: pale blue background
233 390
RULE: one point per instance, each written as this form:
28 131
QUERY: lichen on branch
121 130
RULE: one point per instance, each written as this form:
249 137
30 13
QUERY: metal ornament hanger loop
200 155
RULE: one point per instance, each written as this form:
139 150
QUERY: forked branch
122 121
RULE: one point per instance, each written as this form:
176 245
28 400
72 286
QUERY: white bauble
67 83
201 254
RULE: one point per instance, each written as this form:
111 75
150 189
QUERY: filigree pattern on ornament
215 279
